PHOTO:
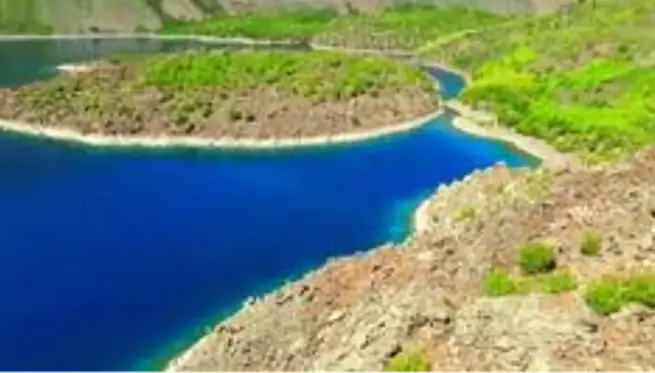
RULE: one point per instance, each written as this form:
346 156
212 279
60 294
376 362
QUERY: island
230 96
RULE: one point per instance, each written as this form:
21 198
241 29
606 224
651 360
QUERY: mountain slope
74 16
580 80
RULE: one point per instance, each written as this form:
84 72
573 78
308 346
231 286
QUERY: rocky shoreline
197 142
359 312
105 103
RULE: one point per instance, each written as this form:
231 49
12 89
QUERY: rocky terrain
110 101
433 293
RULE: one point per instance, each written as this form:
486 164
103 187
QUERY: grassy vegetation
297 73
581 79
610 294
557 282
411 361
22 16
287 25
403 27
500 282
591 243
537 257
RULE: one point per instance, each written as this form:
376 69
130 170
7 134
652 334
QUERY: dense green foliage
298 73
537 257
581 79
609 294
412 361
402 27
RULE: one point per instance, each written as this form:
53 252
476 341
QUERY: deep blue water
113 259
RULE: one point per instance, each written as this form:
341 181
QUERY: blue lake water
115 259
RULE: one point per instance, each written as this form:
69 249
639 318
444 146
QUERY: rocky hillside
569 290
500 6
72 16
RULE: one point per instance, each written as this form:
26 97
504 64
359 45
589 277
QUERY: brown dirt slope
356 313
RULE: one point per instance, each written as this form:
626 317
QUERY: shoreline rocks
358 312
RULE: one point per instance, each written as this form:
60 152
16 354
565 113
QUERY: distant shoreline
206 142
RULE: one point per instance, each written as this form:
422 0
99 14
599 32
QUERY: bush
414 361
558 282
591 244
605 296
537 257
499 283
641 289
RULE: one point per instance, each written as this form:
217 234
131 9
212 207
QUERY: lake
115 259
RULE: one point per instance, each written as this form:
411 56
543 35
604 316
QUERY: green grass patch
537 257
591 243
499 282
557 282
411 361
610 294
605 296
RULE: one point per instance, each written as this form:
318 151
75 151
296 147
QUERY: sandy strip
421 221
484 124
200 142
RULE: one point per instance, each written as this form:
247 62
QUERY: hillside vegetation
581 79
403 27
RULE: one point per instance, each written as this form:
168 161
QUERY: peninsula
227 98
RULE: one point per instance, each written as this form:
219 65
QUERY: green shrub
499 282
591 243
413 361
537 257
558 282
465 214
605 296
640 288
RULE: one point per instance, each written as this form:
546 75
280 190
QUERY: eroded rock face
358 312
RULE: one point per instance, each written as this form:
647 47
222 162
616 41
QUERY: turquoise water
114 259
